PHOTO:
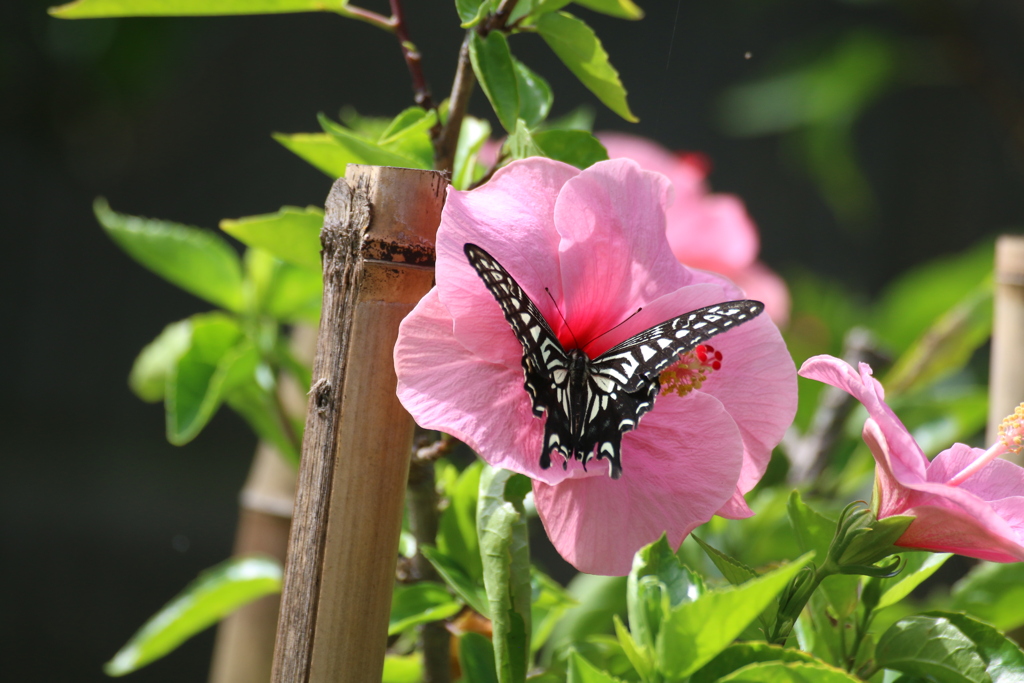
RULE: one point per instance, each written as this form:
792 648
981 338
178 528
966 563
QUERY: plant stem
365 15
413 59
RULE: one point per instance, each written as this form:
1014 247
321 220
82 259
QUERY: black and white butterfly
591 403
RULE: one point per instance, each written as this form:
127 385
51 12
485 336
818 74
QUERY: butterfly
591 403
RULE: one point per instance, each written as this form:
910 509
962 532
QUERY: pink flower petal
691 455
446 387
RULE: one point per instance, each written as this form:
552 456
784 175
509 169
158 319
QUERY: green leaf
920 565
420 603
599 598
790 672
535 96
550 601
696 631
408 134
293 294
217 592
582 671
321 150
472 12
657 582
196 260
734 571
576 147
623 9
259 408
476 657
504 551
457 534
814 531
993 591
403 668
453 574
154 365
740 655
1004 661
89 9
520 144
292 234
578 47
931 646
639 655
218 359
492 64
474 133
368 151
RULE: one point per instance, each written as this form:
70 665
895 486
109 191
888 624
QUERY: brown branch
413 59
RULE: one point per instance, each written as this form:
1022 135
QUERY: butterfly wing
545 363
624 380
629 366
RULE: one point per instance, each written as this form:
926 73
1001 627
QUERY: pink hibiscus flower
590 246
964 501
708 231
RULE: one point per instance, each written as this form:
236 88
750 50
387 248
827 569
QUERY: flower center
691 371
1011 440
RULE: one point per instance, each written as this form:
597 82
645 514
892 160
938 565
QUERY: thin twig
372 18
413 59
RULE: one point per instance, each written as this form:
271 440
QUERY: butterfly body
590 403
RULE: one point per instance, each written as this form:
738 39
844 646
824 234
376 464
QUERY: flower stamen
691 371
1011 440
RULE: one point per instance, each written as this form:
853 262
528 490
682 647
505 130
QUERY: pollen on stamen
691 371
1011 430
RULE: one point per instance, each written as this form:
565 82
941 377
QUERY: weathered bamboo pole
1006 368
377 239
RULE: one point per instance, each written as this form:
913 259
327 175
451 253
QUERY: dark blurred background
864 137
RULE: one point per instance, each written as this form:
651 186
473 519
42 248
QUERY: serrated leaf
368 151
931 646
992 591
1004 661
576 147
217 592
198 261
320 150
578 47
535 96
582 671
89 9
920 566
292 234
492 64
420 603
695 632
476 657
734 571
155 363
456 579
740 655
790 672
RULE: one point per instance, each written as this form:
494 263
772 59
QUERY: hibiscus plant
749 533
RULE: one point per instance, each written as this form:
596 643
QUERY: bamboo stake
377 242
1006 368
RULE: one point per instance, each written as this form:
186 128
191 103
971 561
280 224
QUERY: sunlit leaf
420 603
623 9
292 234
576 147
740 655
476 657
578 47
216 593
471 12
472 137
931 646
456 579
582 671
535 96
152 367
321 151
492 64
1004 661
457 533
368 151
790 672
550 601
403 668
920 566
198 261
520 144
86 9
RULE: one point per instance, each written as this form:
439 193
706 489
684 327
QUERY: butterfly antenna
610 329
562 316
